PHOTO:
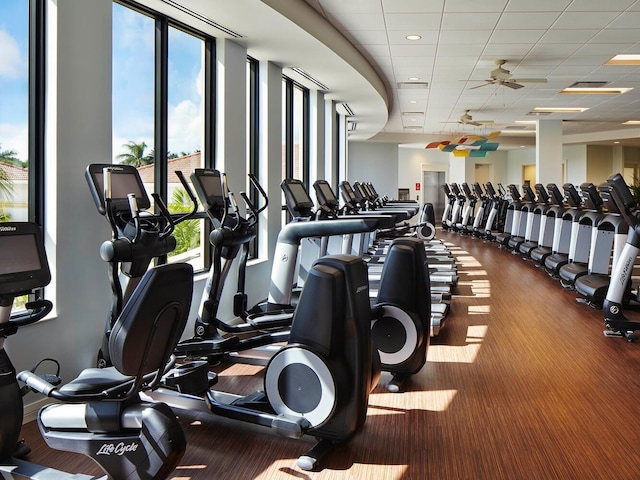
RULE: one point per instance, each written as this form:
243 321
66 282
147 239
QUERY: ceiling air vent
204 19
588 85
413 85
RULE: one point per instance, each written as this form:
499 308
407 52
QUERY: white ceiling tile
516 36
459 50
469 21
412 50
399 37
403 73
628 20
608 49
364 21
442 61
378 50
599 5
412 21
352 6
585 20
554 49
369 37
568 36
506 51
425 61
537 6
528 20
475 6
618 35
461 37
412 6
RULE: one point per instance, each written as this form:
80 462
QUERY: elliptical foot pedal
22 449
311 460
192 377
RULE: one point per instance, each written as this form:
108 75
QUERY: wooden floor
521 384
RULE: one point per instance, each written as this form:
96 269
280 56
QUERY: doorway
432 184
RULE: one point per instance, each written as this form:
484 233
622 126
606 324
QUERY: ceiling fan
467 119
502 77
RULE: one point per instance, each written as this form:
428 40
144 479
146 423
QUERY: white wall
575 158
376 163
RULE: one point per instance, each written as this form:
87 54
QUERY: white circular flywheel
299 383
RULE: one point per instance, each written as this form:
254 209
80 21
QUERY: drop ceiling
366 60
562 41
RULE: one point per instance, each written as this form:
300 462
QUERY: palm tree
135 155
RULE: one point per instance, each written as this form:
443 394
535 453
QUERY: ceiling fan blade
530 80
474 123
512 85
487 82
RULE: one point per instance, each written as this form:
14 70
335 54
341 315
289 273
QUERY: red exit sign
418 186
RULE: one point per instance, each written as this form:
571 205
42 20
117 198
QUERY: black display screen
19 253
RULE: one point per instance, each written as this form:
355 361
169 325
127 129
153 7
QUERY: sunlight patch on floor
478 310
459 353
467 261
391 404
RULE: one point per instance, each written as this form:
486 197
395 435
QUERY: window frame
161 107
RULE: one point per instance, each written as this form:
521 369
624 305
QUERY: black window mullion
161 149
306 129
210 100
36 115
289 127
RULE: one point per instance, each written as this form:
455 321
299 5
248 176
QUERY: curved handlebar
36 311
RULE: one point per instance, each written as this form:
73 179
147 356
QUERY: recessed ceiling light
632 122
413 37
616 142
596 91
526 122
624 59
559 109
413 101
517 131
413 79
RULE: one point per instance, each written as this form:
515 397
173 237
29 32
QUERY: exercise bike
100 413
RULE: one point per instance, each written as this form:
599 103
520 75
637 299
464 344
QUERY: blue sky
14 28
133 81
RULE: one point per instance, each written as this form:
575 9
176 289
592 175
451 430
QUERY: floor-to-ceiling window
295 131
21 110
163 109
22 51
253 158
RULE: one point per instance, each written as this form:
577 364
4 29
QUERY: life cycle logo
284 258
117 449
614 309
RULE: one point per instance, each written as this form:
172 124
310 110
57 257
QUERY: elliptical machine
619 291
100 414
137 235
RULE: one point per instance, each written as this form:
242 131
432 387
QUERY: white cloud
185 127
15 137
12 65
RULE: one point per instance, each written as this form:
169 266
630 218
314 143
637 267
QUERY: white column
549 152
231 148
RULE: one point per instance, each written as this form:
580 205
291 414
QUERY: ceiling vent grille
588 85
204 19
315 81
413 85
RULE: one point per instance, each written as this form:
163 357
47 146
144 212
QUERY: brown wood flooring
521 384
